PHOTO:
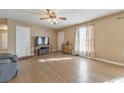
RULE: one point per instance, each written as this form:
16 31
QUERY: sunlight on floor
54 59
83 68
41 60
117 80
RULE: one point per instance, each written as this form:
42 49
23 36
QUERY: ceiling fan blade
49 12
62 18
44 18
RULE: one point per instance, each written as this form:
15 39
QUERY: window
84 41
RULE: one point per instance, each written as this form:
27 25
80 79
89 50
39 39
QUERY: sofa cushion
13 58
5 61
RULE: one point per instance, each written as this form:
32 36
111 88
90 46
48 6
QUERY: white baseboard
109 61
105 60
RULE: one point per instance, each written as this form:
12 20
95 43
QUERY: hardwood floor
58 67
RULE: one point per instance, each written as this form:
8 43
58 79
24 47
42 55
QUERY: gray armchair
8 67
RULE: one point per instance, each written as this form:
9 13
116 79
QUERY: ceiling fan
52 17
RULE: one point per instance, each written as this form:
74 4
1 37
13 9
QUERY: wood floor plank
62 68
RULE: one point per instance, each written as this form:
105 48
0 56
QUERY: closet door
60 40
22 41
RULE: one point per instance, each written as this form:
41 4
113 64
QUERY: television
40 40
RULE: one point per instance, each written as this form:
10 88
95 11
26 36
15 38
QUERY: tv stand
42 49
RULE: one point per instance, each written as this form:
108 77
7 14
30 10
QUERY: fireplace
43 50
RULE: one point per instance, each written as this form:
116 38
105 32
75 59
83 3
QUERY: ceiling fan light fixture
52 20
49 20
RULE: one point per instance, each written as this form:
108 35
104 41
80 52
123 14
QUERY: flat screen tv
39 40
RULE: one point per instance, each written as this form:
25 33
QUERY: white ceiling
74 16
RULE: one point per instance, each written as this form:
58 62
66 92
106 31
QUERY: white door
60 40
22 41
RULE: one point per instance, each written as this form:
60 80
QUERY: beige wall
1 31
109 37
0 40
69 34
2 21
35 31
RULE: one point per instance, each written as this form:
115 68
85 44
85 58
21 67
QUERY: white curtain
76 49
84 41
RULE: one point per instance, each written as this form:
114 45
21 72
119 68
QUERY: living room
62 45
